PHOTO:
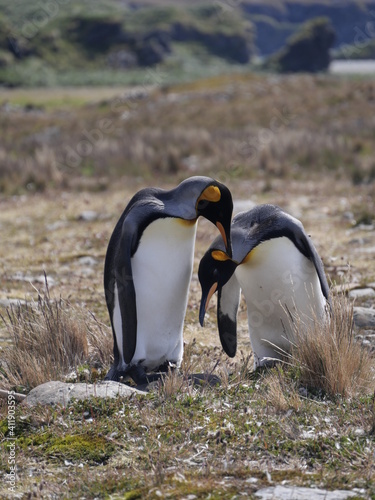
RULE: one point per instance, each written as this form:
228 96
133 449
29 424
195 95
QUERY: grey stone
87 261
364 317
12 302
361 293
367 250
55 392
19 276
59 224
88 216
298 493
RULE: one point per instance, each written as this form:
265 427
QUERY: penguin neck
179 205
167 237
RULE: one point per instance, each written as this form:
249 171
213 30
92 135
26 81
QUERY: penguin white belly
162 268
280 286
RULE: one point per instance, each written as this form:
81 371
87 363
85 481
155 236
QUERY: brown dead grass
328 356
281 393
50 338
235 126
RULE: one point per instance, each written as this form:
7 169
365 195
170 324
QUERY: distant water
366 66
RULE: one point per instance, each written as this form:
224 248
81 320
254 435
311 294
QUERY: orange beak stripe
210 294
222 232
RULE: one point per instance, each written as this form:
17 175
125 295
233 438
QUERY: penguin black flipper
120 295
228 299
295 231
126 291
141 212
304 244
118 281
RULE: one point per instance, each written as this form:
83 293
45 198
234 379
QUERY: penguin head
215 269
216 205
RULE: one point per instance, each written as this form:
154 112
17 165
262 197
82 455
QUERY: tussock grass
50 338
329 358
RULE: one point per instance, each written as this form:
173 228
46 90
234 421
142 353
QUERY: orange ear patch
211 193
219 255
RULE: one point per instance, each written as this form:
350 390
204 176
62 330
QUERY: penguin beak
227 242
205 302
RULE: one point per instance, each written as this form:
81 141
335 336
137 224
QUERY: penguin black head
216 205
215 270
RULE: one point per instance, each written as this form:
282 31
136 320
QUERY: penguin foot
115 374
263 368
140 377
166 366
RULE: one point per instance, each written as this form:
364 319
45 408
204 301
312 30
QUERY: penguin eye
202 204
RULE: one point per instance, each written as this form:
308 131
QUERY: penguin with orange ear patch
148 268
279 271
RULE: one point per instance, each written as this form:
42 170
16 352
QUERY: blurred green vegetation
99 43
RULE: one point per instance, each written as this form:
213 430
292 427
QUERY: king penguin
280 273
148 267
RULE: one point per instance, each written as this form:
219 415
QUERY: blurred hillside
111 42
102 42
275 20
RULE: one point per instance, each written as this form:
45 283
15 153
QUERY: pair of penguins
148 267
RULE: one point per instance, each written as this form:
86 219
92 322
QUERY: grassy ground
179 441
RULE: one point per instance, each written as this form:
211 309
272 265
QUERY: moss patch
86 447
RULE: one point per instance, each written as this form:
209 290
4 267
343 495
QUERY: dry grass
281 393
100 341
50 338
329 358
243 125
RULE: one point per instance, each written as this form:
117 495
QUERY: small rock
55 392
59 224
359 432
86 272
299 493
33 279
359 241
348 216
367 250
87 261
42 279
12 302
366 343
365 227
88 216
361 293
364 317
